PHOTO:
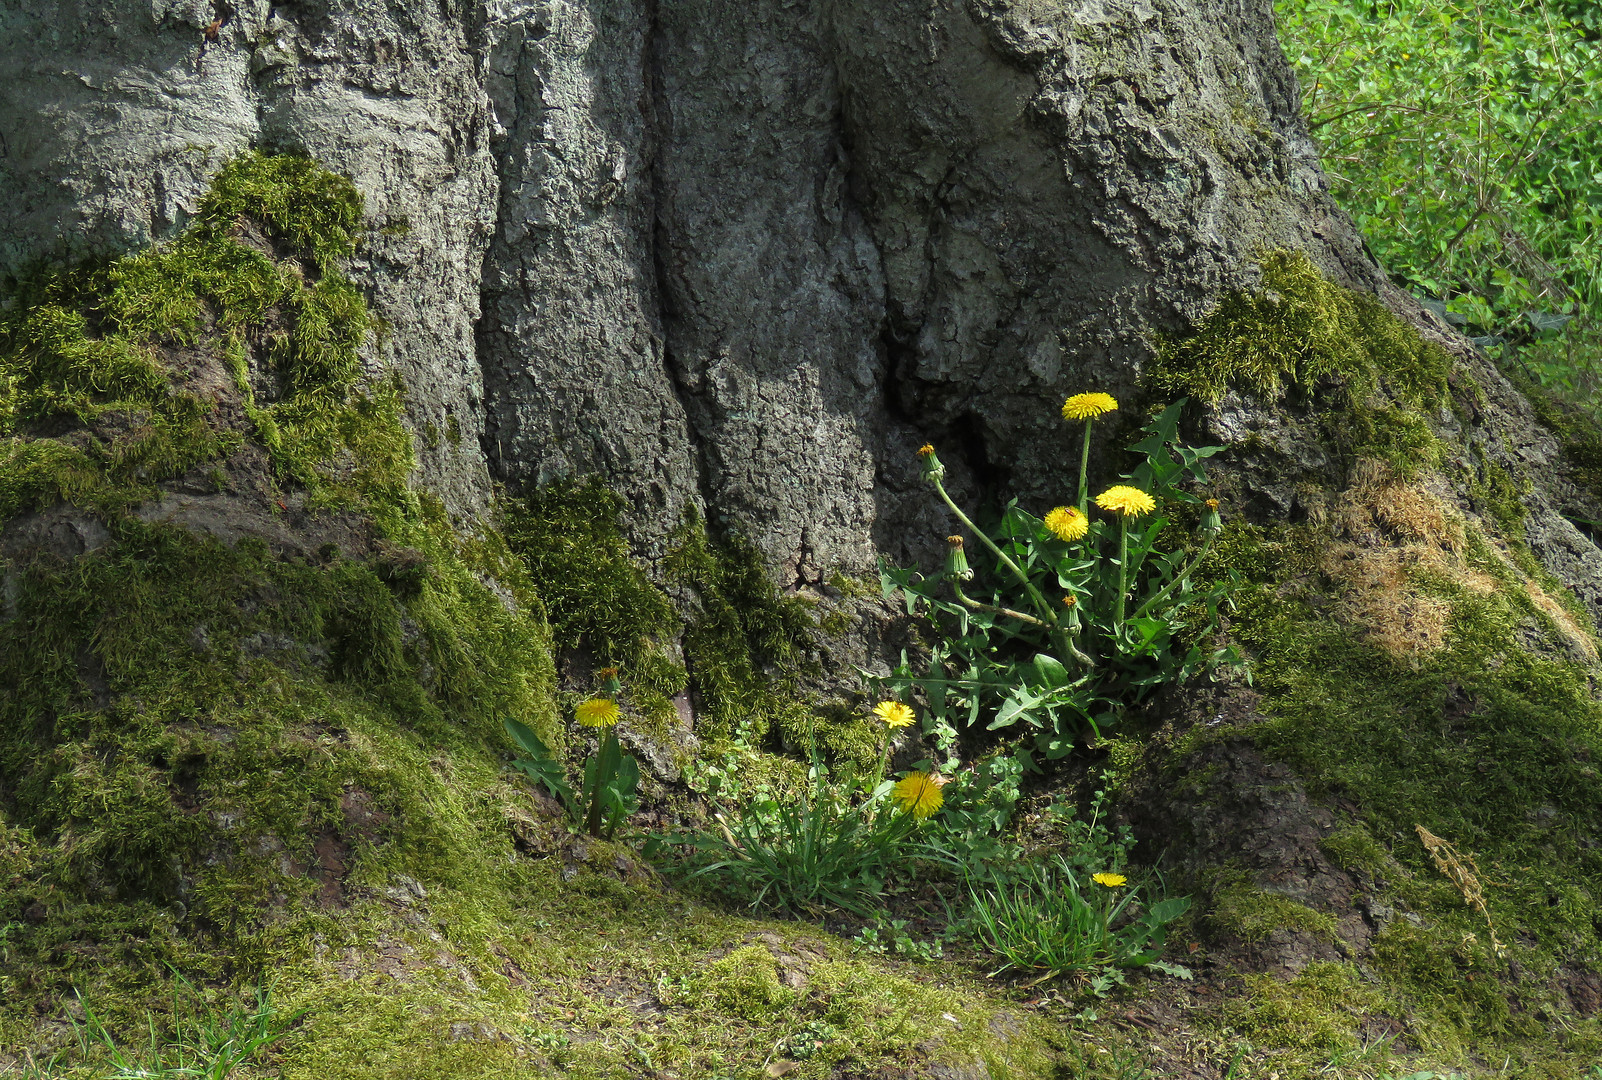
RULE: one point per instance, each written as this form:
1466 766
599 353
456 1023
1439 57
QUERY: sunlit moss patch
1379 378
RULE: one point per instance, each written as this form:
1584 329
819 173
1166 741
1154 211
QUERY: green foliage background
1465 138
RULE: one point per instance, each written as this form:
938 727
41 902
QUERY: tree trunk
741 259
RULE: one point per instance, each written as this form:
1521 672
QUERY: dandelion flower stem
1064 639
1179 578
1048 616
976 605
1084 465
1123 577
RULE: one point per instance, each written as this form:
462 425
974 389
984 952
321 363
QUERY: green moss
597 979
1485 743
840 733
192 719
836 623
201 728
598 601
1301 330
228 714
744 983
1354 848
1493 493
96 361
1251 914
861 587
1454 986
744 642
302 204
1124 753
1319 1010
1398 436
595 596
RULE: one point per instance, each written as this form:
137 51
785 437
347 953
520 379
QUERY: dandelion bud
957 560
1210 524
1071 621
933 471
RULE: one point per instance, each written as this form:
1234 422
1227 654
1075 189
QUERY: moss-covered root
119 374
209 740
588 979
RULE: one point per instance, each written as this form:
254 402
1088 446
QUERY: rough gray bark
739 256
742 256
114 116
808 237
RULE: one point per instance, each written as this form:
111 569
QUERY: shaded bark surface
745 257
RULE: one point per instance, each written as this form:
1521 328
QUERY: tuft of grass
197 1040
804 855
1045 920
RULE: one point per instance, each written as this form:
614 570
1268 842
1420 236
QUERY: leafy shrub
1463 138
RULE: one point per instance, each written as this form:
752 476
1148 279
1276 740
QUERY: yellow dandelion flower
597 712
1088 406
919 794
926 449
1112 881
894 714
1212 504
1067 523
1126 500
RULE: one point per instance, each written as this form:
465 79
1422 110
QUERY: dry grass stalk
1460 870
